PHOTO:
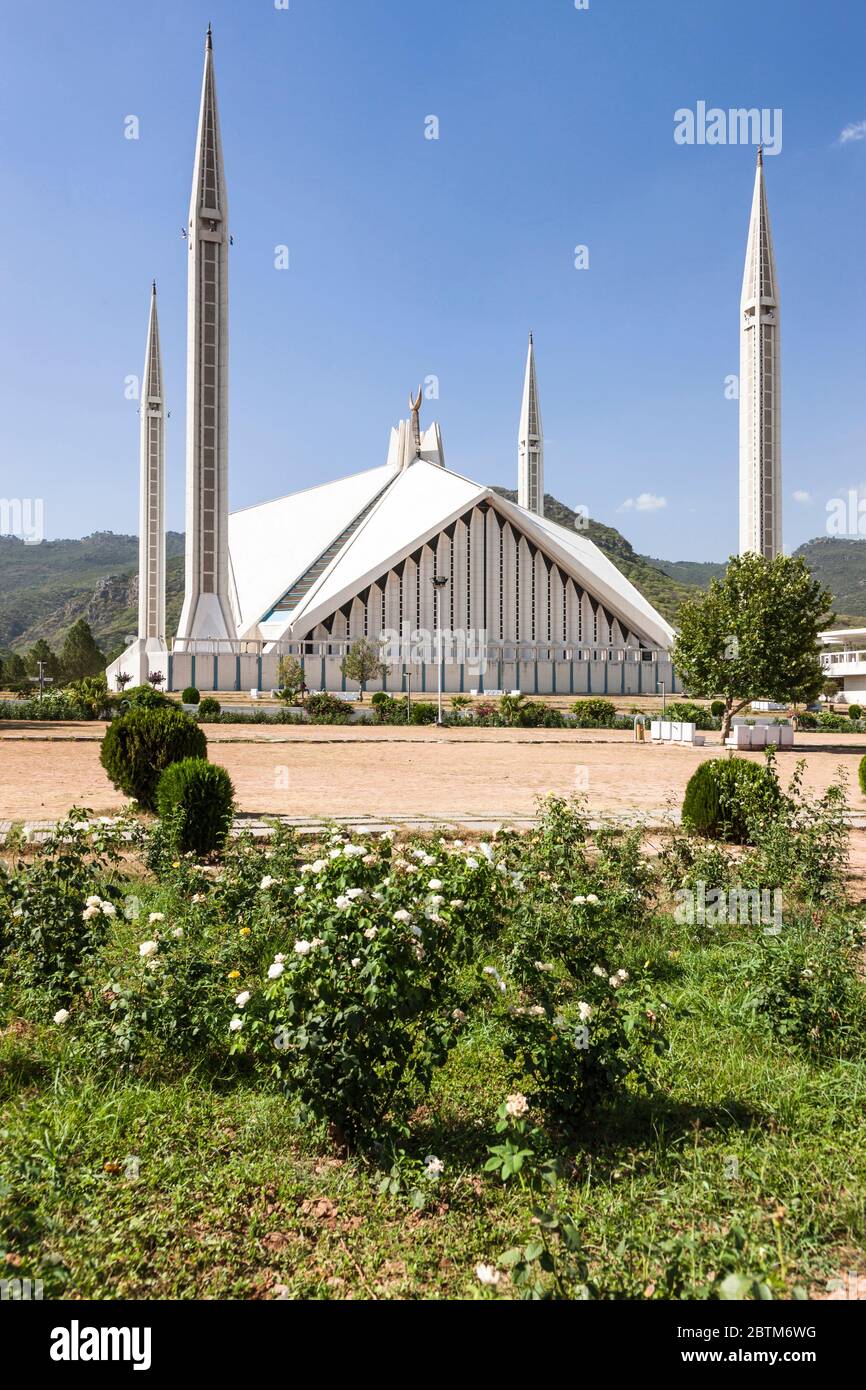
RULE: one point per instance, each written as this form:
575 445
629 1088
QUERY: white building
844 659
406 553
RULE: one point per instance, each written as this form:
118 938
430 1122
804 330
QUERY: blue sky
412 258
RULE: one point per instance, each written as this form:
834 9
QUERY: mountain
45 588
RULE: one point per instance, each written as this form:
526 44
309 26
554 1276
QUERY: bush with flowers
365 997
56 911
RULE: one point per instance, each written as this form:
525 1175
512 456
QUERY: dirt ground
425 772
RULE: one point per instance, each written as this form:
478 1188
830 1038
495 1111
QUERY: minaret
530 443
206 608
760 387
151 531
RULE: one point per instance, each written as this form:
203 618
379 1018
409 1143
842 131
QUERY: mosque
454 581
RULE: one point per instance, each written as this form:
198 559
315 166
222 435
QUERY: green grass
745 1156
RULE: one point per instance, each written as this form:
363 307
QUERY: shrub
689 713
423 712
324 708
805 983
862 775
380 697
717 709
190 696
197 799
139 745
362 1001
594 714
144 697
855 712
92 697
725 795
209 706
807 720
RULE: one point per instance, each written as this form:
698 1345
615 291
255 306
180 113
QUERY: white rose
236 1024
516 1105
155 917
472 863
267 882
61 1016
585 1011
370 933
435 884
401 915
275 970
148 948
303 948
93 901
487 1274
242 999
342 903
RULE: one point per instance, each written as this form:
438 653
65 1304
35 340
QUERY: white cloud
645 502
855 131
803 497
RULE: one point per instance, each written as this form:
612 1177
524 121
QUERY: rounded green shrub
862 775
209 705
717 709
144 697
140 745
197 799
594 714
380 697
190 696
689 713
855 712
725 795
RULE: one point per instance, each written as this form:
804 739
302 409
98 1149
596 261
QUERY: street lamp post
438 581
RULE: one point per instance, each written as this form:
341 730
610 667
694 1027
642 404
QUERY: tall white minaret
151 529
760 387
530 443
206 608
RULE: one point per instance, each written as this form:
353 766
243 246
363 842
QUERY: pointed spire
208 43
760 385
151 563
530 442
415 407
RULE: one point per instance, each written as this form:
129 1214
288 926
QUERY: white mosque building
450 576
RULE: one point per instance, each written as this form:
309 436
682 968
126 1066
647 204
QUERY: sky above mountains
413 258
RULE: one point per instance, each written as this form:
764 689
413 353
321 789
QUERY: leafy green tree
79 655
14 672
40 651
290 674
754 634
363 662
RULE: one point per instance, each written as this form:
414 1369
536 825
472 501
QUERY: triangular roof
387 516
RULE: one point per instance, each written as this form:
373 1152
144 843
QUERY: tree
363 662
754 635
79 655
40 651
14 672
290 674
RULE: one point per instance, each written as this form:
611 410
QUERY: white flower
516 1105
280 959
487 1274
354 851
267 882
544 966
614 982
388 835
401 915
236 1024
275 970
371 932
537 1011
148 948
599 970
579 900
242 999
458 844
306 869
335 853
622 974
472 863
355 962
299 889
585 1011
90 912
458 1015
591 898
155 917
154 964
318 865
415 930
342 902
61 1016
487 852
433 1166
302 948
435 899
177 932
435 884
456 902
93 901
317 941
354 893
